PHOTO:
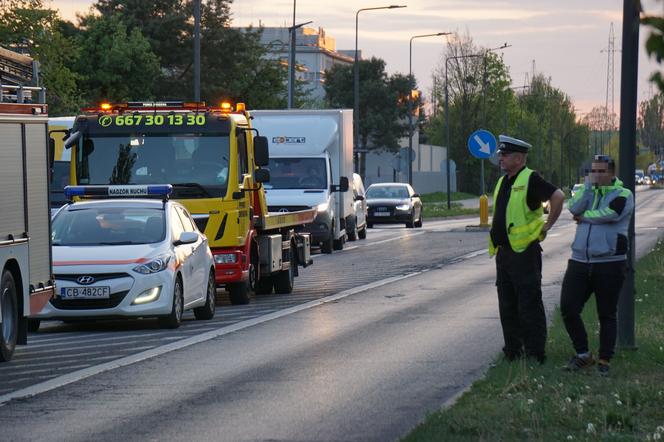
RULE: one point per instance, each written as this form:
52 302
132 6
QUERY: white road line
158 351
29 363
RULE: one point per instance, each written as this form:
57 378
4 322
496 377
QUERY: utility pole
291 62
628 92
197 50
610 68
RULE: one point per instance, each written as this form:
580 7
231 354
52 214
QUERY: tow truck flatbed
278 220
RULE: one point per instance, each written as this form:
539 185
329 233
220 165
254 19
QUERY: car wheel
174 319
240 292
339 243
33 325
9 307
418 223
283 281
351 230
328 244
264 285
362 234
207 310
410 224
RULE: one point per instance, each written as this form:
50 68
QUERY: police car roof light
162 190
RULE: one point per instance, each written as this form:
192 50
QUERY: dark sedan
393 203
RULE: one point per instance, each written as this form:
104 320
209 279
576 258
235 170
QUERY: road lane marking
79 375
370 244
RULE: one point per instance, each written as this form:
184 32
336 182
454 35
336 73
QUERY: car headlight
322 207
156 265
149 295
225 258
403 207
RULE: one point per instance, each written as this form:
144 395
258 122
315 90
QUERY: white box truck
26 283
311 163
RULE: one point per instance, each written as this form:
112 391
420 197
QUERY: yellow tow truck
214 161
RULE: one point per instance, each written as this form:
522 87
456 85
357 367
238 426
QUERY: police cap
509 144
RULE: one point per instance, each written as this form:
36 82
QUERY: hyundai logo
85 280
283 210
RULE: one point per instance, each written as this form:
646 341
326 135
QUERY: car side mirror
72 138
359 198
415 195
261 151
343 185
262 175
186 238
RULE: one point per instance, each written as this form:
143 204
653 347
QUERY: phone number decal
152 120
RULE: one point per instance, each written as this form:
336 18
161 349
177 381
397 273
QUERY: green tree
233 62
115 64
480 96
651 123
655 44
383 108
29 27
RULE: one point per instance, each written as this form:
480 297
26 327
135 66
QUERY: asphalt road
325 363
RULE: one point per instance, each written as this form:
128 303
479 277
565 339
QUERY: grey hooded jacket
604 212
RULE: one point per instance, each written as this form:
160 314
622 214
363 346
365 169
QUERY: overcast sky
564 38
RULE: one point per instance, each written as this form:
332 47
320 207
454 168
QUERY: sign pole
482 177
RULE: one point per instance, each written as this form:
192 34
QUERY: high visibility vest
523 225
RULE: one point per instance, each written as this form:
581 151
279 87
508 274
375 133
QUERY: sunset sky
565 38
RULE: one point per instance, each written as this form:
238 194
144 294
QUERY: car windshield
395 192
108 226
196 164
297 173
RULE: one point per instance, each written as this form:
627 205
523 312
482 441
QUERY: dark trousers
519 283
581 280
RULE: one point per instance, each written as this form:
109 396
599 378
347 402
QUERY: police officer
516 230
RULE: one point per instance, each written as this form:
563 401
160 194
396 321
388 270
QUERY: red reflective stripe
101 262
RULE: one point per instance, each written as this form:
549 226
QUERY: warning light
226 106
240 107
105 106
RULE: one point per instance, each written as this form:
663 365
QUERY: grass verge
522 401
442 197
441 210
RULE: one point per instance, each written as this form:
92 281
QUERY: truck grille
287 208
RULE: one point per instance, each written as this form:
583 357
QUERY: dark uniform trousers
519 283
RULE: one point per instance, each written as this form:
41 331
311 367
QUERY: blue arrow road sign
482 144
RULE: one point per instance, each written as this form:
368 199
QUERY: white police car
128 257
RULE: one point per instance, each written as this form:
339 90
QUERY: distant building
315 52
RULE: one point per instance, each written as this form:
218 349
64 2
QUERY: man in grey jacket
602 210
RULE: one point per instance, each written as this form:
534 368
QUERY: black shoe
577 363
603 367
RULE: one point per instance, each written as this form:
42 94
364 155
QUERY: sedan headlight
403 207
149 295
156 265
322 207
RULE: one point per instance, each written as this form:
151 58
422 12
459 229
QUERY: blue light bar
119 190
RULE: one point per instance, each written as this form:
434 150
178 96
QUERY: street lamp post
356 76
291 63
411 86
447 115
